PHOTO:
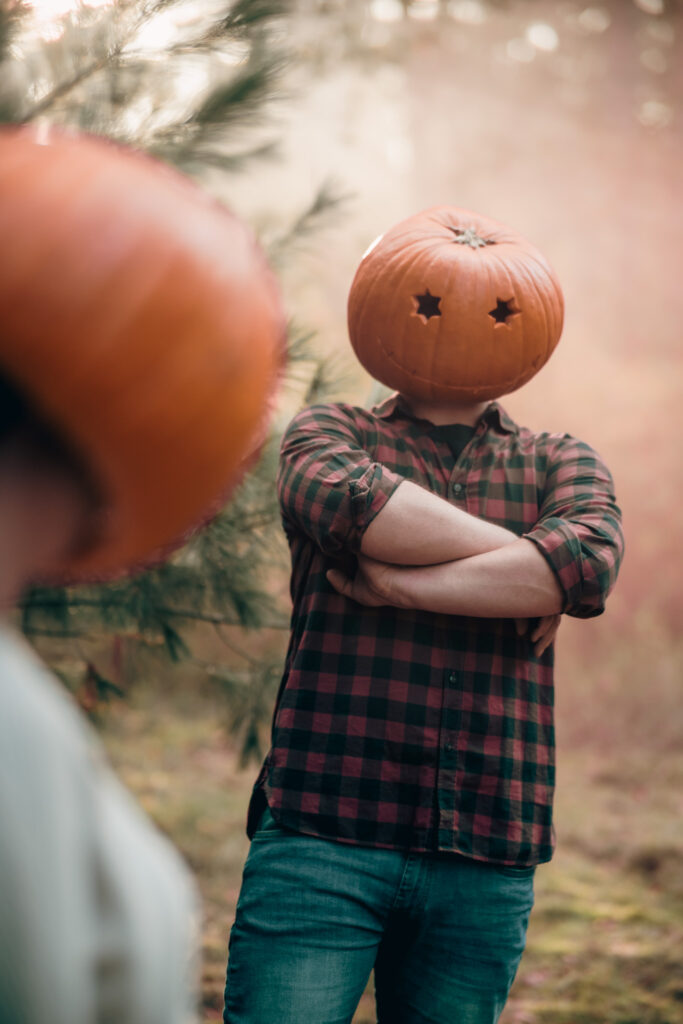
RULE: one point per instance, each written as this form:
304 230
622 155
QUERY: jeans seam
404 883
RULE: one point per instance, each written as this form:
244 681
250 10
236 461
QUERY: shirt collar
494 414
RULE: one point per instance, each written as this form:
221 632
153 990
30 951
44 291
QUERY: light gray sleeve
98 914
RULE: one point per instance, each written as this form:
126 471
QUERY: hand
544 633
372 584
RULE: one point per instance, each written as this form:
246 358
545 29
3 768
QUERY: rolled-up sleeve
330 487
579 528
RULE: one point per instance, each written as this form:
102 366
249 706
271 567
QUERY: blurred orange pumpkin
452 306
142 320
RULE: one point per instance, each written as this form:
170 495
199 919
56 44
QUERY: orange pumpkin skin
142 320
452 306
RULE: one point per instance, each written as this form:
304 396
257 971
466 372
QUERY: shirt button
452 677
449 748
457 488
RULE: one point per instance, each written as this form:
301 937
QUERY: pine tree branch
242 97
327 199
244 15
237 99
66 86
80 602
299 344
244 20
107 59
11 13
191 615
231 163
56 634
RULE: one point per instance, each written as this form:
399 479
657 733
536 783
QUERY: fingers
541 646
339 581
545 633
544 625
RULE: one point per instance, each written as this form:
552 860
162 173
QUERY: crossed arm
417 550
422 552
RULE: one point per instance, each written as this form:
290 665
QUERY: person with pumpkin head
135 371
406 800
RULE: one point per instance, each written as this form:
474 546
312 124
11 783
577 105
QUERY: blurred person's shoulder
37 717
66 819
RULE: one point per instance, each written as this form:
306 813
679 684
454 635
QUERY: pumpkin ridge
438 341
398 289
542 266
378 283
520 301
540 301
401 340
397 254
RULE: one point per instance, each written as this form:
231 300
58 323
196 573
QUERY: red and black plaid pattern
407 729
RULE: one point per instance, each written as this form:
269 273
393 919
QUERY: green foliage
10 15
191 84
167 76
245 14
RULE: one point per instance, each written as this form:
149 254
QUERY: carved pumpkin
141 319
452 306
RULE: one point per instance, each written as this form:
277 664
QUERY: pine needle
245 15
238 99
11 14
328 200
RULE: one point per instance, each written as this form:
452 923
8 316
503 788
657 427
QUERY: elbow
598 576
585 558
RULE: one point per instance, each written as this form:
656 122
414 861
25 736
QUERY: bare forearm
513 581
416 527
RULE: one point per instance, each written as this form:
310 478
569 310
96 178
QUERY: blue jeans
445 934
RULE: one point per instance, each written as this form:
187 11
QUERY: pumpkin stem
469 236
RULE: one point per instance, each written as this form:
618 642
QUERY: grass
605 942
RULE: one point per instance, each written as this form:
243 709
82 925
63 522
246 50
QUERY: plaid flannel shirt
407 729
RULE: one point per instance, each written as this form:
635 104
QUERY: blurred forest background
323 123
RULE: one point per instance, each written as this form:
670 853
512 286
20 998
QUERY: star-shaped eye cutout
505 308
427 305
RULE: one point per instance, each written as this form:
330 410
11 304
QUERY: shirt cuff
561 548
368 495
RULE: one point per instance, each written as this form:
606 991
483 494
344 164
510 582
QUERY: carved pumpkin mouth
449 382
404 369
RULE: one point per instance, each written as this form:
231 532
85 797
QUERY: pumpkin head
140 318
452 306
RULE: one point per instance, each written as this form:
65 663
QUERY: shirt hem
406 850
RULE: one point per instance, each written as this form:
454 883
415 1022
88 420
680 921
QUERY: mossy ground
605 942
